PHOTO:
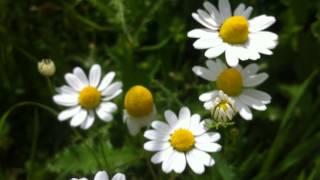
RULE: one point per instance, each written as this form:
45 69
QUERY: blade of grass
283 129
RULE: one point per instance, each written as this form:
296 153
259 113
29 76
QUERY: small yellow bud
46 67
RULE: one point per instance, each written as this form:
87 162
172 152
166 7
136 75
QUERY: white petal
113 88
195 121
101 175
156 145
208 137
252 102
119 176
95 75
208 105
161 155
202 33
203 22
89 121
112 96
184 117
160 126
203 43
207 18
67 90
225 9
65 100
214 13
81 75
265 35
215 51
220 65
156 135
254 80
251 69
106 81
204 73
213 67
247 12
239 10
243 109
103 115
133 127
108 107
262 96
167 164
194 163
208 96
203 157
74 82
260 23
197 128
231 57
68 113
209 147
171 117
79 118
180 162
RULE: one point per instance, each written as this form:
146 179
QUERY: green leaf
88 157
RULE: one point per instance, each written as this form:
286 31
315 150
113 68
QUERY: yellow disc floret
235 30
89 97
138 101
223 105
230 82
182 140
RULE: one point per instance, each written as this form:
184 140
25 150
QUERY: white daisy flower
237 83
223 108
86 96
102 175
182 140
235 34
139 108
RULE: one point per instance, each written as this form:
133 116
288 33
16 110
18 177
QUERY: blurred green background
145 42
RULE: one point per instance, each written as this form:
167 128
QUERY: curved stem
25 103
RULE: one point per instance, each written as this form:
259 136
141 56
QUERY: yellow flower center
223 105
235 30
182 140
138 101
230 82
89 97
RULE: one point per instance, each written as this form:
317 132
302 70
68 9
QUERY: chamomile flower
180 141
236 82
235 34
223 108
139 108
102 175
84 97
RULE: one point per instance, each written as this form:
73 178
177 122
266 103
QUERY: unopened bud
223 110
46 67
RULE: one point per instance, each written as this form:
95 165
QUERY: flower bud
46 67
223 110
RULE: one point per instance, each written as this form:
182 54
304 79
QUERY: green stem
154 176
25 103
34 143
50 85
77 133
103 154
